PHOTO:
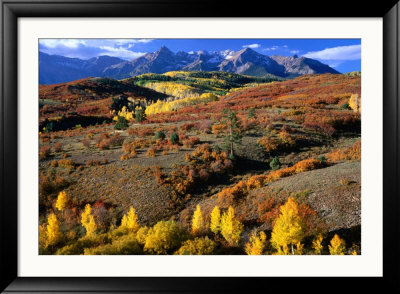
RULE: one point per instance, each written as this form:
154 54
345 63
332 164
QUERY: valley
205 158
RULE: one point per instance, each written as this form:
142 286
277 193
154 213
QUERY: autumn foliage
289 229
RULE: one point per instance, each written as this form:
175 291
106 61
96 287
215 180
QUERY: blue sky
342 54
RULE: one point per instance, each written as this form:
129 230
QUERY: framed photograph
176 146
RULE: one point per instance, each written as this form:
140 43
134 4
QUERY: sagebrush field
201 162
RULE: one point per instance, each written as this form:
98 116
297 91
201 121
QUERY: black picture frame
11 10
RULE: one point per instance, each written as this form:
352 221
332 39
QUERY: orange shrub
308 164
86 142
44 152
144 132
54 163
301 166
217 128
241 189
248 124
58 147
139 143
106 141
189 143
49 185
287 139
104 144
227 195
351 153
126 156
93 162
270 144
66 163
205 126
255 182
133 153
151 152
127 147
187 126
266 205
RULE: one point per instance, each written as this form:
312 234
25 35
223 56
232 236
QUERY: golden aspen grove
201 153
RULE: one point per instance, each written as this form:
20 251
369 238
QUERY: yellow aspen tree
197 221
299 249
85 215
215 223
288 229
355 102
91 227
256 243
52 230
231 228
337 246
317 244
129 220
61 203
88 221
42 235
354 252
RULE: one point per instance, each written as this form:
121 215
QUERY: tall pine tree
233 131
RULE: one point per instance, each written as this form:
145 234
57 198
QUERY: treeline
219 83
213 234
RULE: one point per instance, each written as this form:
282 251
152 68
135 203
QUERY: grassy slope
123 183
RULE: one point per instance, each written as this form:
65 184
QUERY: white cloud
251 46
332 63
74 43
69 43
130 42
295 51
352 52
273 48
120 52
87 48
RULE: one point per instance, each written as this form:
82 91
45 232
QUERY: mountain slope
56 69
95 89
248 61
160 61
302 65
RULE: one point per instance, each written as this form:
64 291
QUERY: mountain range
57 69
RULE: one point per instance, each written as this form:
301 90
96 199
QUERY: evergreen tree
174 139
159 135
233 131
121 123
252 113
275 163
140 114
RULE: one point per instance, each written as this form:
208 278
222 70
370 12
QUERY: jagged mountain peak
164 50
55 68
